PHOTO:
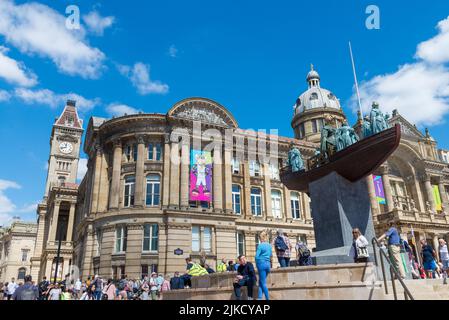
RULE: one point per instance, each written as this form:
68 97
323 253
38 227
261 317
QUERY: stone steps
422 289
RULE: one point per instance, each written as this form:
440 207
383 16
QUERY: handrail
393 272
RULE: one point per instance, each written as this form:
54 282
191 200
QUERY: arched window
130 186
236 195
256 202
276 203
22 273
153 190
314 96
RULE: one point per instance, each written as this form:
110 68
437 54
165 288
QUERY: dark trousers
284 262
186 280
305 261
248 282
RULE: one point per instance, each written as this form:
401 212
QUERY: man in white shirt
12 286
77 288
444 257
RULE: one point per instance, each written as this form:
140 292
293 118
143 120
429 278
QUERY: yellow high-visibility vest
197 270
221 267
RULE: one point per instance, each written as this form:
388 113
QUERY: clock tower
65 142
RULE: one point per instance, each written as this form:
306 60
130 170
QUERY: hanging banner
379 188
436 196
201 176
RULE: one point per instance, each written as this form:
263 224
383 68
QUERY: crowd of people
153 287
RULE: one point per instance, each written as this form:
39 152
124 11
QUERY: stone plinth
338 206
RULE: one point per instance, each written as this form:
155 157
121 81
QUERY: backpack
27 294
280 244
121 285
303 250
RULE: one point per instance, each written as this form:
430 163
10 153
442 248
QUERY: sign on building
201 176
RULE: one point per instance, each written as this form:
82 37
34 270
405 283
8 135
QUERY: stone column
267 212
246 190
70 229
307 210
436 245
174 175
429 193
134 251
218 181
387 189
287 205
40 238
372 196
166 179
185 171
87 267
54 222
116 173
107 248
140 172
96 178
227 181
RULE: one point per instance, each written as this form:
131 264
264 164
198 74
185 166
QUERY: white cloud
96 23
37 29
9 210
82 169
116 109
139 75
54 100
4 95
419 90
173 51
15 72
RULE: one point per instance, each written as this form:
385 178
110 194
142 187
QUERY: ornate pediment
204 110
406 127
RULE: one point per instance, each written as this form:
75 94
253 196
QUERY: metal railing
393 272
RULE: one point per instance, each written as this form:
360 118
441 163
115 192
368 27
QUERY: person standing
153 286
165 286
77 289
176 283
246 276
394 248
359 248
26 292
43 286
221 267
303 254
283 249
12 287
428 258
98 287
54 292
263 264
444 258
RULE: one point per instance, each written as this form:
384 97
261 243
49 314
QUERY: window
314 96
158 152
130 186
236 198
121 234
257 240
144 271
22 273
128 149
118 272
294 200
201 239
256 202
314 126
98 239
302 131
254 168
274 171
150 151
240 243
153 190
150 237
276 201
235 166
25 255
135 152
147 270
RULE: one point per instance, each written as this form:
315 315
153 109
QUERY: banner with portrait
200 176
379 189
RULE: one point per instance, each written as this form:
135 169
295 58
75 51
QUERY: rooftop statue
295 161
328 140
378 122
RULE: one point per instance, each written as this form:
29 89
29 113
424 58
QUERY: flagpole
355 80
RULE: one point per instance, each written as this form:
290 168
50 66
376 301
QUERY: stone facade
132 211
16 248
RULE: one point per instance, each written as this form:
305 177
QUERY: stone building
16 247
134 212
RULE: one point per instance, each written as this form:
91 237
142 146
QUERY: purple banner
200 176
379 187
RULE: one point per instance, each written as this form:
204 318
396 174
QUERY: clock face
66 147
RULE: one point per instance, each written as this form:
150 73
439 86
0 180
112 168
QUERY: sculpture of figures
387 118
317 152
428 207
412 205
366 127
345 136
378 123
295 161
328 141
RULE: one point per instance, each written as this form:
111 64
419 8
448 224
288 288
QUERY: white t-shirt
12 286
54 294
78 285
444 254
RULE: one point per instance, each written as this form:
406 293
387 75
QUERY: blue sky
250 56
